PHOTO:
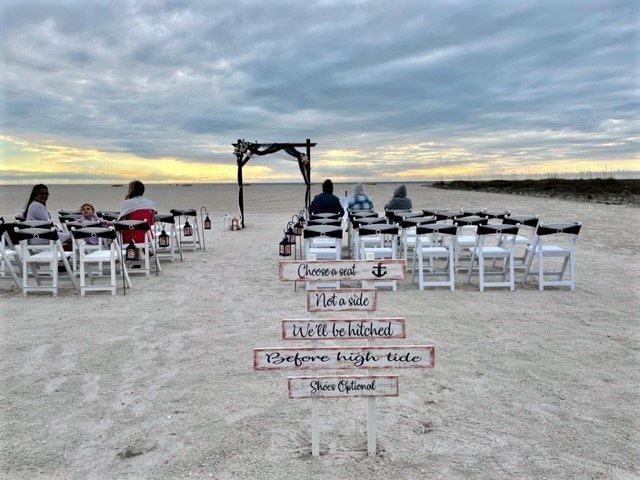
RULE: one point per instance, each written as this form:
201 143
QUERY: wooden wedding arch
244 150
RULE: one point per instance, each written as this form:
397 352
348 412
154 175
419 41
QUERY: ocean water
216 198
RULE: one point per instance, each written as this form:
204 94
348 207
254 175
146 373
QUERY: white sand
527 384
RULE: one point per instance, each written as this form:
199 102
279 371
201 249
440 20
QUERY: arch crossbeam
244 150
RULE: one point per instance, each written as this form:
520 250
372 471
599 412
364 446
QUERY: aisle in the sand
368 329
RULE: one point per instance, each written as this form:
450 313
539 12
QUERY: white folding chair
431 246
189 230
541 249
482 252
528 225
322 242
9 258
466 238
48 256
98 257
408 235
386 247
146 248
166 236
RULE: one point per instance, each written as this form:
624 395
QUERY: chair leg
83 281
112 267
473 256
481 271
452 273
572 271
541 271
420 270
54 275
564 267
512 273
527 265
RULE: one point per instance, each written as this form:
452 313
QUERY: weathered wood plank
341 300
313 358
343 386
343 328
343 270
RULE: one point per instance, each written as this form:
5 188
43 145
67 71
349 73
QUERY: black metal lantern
207 223
290 234
131 252
187 230
285 247
163 239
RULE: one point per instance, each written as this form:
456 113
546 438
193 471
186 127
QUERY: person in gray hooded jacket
400 201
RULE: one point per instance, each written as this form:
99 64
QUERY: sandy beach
158 384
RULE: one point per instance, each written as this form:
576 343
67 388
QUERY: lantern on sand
187 229
163 239
285 247
131 252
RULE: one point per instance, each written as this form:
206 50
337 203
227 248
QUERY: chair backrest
499 214
34 224
72 225
445 215
108 215
409 222
93 232
165 218
524 220
555 228
358 222
322 231
68 218
502 229
68 213
470 220
434 211
472 212
325 221
439 228
378 229
317 216
184 212
23 234
136 231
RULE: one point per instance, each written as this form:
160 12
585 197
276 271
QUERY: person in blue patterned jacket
360 200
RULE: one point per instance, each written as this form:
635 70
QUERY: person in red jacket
136 207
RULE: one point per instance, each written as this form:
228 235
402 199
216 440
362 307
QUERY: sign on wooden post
342 270
341 300
344 329
334 358
343 386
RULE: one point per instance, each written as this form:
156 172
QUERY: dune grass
601 190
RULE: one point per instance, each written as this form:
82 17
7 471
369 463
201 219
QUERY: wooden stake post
367 357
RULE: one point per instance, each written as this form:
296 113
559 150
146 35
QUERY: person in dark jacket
326 202
400 201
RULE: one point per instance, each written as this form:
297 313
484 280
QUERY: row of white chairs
460 243
32 250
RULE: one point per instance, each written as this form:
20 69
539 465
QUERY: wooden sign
313 358
343 386
343 270
344 328
341 300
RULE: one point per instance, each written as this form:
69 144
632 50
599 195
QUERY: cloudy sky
157 90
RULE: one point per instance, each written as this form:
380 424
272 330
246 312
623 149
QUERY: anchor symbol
379 271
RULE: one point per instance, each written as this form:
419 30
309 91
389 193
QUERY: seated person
37 210
89 216
399 200
136 207
326 202
360 200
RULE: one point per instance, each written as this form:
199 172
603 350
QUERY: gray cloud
172 78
